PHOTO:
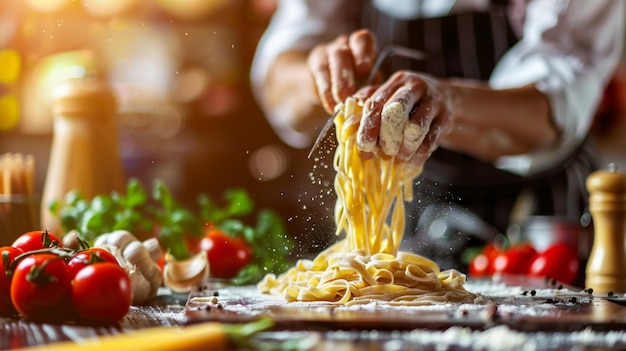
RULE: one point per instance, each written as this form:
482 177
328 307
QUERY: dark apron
460 199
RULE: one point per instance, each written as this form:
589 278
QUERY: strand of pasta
366 265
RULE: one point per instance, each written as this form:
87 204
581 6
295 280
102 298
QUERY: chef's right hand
338 67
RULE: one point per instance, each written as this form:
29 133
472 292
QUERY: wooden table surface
596 324
165 310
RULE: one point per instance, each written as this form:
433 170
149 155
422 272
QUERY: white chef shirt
568 50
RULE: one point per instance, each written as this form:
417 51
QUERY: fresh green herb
159 214
270 243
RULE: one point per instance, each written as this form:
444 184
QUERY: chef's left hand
405 117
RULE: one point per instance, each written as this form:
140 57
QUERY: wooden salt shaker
85 153
606 266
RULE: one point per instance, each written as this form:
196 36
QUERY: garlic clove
141 288
154 248
118 238
182 276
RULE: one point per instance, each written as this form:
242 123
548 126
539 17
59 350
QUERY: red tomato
88 256
36 240
514 260
559 261
161 261
102 292
41 287
479 266
7 256
482 264
227 255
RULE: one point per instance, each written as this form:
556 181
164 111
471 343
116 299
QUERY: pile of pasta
366 265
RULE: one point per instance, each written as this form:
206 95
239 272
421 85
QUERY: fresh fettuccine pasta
366 265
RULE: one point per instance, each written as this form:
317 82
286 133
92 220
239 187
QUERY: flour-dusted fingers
319 67
393 126
369 130
341 66
418 125
363 47
364 93
439 128
412 92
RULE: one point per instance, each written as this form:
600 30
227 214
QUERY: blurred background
179 70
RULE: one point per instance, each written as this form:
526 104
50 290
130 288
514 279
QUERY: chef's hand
338 66
406 117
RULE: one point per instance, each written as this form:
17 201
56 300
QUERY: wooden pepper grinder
606 266
85 154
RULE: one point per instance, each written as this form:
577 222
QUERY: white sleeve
296 25
568 50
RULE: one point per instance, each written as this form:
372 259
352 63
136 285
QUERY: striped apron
460 200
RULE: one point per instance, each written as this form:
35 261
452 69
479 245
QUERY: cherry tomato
559 261
482 264
227 255
514 260
7 256
479 266
102 292
40 289
36 240
88 256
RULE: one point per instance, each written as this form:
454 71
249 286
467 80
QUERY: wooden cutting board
535 305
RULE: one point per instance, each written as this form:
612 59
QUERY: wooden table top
542 320
165 310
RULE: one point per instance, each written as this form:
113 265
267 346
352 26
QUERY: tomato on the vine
559 261
102 292
227 255
40 287
36 240
87 257
7 256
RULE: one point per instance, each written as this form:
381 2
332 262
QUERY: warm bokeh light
191 83
10 66
46 5
192 9
49 71
9 112
107 8
268 162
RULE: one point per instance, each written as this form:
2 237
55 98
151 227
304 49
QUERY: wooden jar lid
83 96
609 180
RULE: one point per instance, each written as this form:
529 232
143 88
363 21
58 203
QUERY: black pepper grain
533 293
610 293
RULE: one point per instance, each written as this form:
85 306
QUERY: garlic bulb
139 259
